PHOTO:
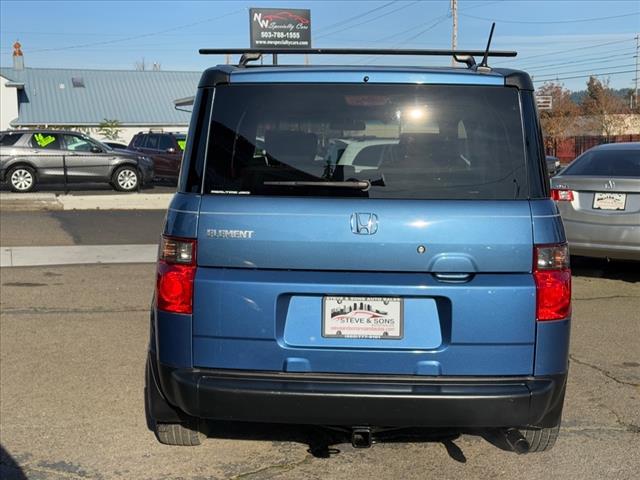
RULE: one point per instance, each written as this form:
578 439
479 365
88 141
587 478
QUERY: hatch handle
453 277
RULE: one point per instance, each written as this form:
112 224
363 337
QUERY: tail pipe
516 441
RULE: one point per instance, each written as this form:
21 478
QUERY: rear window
376 141
8 139
607 163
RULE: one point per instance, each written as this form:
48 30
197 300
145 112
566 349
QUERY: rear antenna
484 67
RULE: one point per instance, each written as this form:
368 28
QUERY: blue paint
173 339
408 75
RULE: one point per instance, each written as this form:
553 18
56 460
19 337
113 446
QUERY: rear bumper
603 240
388 400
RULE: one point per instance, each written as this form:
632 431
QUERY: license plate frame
609 201
377 320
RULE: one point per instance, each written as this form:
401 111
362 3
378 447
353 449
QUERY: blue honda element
362 248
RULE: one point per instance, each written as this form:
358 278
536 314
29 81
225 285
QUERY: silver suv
30 157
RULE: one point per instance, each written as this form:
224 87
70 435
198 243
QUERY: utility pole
454 31
635 97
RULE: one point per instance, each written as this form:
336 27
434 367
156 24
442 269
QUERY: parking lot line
77 254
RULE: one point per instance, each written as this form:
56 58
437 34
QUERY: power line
575 59
586 47
606 59
582 71
144 35
584 76
546 22
356 17
369 21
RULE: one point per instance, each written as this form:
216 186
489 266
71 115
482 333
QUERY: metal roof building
73 97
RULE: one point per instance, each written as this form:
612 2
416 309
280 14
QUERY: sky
559 39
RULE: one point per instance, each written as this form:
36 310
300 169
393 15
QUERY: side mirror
96 150
171 150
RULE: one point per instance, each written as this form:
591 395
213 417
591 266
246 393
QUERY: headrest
285 145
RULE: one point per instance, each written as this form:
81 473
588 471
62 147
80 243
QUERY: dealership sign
280 28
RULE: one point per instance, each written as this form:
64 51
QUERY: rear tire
126 179
541 439
21 179
180 434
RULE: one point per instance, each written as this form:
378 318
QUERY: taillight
552 275
561 195
176 271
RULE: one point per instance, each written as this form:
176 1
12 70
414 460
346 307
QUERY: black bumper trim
387 400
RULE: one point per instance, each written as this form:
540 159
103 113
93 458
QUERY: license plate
609 201
362 317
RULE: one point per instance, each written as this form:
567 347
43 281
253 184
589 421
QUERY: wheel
541 439
182 434
22 179
126 179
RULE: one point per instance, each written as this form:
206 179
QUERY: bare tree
603 107
558 122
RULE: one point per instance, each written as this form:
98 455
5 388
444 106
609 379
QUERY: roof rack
254 54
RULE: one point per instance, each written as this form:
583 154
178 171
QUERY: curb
77 255
52 201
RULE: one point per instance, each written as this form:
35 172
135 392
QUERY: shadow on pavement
323 442
627 271
9 468
95 188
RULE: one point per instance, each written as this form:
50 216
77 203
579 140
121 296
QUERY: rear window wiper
355 184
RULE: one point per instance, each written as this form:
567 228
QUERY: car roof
359 73
43 130
618 146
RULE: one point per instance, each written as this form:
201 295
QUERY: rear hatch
419 266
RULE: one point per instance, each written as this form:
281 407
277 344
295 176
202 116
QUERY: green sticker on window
181 144
43 141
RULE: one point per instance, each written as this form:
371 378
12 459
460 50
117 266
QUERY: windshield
607 163
396 141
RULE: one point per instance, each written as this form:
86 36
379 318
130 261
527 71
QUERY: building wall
8 104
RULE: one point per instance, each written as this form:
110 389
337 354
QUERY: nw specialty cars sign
280 28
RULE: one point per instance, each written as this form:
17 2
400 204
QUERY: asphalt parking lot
72 349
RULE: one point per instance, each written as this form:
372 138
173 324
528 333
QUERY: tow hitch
361 437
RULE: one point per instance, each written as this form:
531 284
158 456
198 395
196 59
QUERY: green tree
558 122
603 107
110 129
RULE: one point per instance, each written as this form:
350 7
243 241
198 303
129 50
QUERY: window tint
8 139
139 141
165 143
371 156
76 143
152 142
416 141
46 141
607 163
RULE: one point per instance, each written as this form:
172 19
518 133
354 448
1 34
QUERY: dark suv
30 157
430 289
164 148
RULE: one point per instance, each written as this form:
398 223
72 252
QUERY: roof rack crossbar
250 52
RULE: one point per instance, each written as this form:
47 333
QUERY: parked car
553 165
401 296
164 148
598 195
115 145
31 157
